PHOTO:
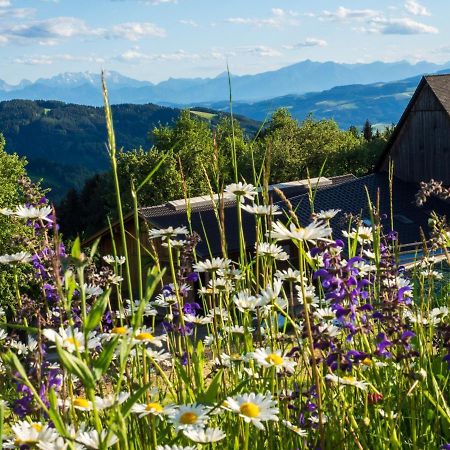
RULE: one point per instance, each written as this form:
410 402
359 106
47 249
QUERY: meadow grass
318 344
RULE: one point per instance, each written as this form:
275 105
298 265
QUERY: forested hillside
65 143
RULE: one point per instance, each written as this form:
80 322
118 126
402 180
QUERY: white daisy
220 284
199 320
326 215
92 291
92 439
29 433
189 416
331 330
315 231
241 190
271 250
253 408
16 258
153 407
71 340
289 275
31 212
175 447
146 336
431 274
6 211
325 314
59 444
204 436
294 428
266 357
246 302
110 259
347 381
309 295
167 233
262 210
160 356
175 243
212 265
362 234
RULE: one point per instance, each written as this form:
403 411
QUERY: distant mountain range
380 103
300 78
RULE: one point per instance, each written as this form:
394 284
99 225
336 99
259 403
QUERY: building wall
422 149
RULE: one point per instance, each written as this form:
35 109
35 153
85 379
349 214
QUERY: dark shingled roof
352 198
347 194
440 85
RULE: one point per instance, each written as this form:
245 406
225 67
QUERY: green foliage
288 150
65 143
12 169
191 140
135 165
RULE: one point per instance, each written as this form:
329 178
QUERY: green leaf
102 363
211 394
126 407
76 366
154 170
11 359
96 313
94 247
76 249
53 412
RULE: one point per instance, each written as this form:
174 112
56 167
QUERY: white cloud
279 18
261 50
190 22
348 14
135 55
133 31
415 8
51 31
401 26
50 59
4 3
17 13
312 42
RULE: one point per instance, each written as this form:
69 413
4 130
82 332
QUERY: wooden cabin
420 144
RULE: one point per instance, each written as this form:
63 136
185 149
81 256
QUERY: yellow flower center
250 410
188 418
349 379
119 330
367 362
154 407
37 427
81 402
73 341
144 336
274 359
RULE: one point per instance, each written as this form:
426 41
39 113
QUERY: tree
368 131
12 231
227 140
164 185
191 141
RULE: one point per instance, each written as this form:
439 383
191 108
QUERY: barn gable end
420 145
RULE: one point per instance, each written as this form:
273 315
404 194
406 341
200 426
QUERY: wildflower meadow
302 341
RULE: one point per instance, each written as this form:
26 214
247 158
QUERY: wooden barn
420 144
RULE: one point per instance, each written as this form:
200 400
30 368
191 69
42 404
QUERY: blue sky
157 39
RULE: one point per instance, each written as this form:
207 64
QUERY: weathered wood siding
422 148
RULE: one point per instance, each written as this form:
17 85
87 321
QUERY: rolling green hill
65 143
